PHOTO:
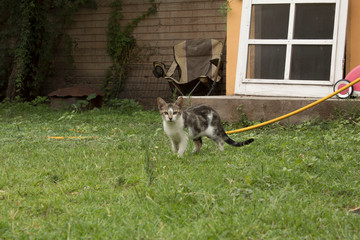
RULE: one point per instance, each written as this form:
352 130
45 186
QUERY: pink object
353 75
345 91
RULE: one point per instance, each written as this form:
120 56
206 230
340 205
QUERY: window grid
282 87
290 41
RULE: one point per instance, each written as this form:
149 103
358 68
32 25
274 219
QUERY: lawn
110 174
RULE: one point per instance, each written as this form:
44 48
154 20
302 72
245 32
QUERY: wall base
267 108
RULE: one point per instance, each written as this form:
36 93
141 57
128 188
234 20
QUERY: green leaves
225 8
31 34
120 46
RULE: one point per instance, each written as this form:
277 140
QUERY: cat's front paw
180 154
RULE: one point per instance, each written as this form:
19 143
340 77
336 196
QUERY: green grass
121 181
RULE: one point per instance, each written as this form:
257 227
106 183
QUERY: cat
200 120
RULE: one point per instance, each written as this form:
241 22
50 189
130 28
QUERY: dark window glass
269 21
314 21
310 62
266 61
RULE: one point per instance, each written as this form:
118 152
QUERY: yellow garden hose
294 112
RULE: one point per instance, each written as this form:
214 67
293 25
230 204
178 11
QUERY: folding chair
196 65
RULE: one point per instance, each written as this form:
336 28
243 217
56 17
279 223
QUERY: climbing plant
225 8
120 46
30 33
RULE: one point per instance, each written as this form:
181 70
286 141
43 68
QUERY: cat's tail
231 142
238 144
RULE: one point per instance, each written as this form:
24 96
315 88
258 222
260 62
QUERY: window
291 47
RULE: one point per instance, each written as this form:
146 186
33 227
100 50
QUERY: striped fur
200 120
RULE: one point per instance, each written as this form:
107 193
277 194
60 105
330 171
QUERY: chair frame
189 88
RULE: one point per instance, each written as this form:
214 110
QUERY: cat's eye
166 113
175 112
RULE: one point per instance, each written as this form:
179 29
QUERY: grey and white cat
200 120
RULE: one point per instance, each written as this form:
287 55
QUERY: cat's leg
197 144
182 145
221 145
174 146
218 141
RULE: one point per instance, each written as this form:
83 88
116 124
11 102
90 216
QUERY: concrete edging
267 108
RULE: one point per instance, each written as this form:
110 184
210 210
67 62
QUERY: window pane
310 62
266 61
314 21
269 21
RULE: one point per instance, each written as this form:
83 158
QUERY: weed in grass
149 162
243 120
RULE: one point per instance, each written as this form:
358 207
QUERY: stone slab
267 108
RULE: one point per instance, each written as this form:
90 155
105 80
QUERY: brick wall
176 20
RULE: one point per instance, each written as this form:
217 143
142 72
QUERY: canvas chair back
194 56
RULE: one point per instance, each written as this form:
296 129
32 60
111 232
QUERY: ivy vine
30 33
225 8
120 46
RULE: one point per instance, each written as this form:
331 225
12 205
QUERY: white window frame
286 87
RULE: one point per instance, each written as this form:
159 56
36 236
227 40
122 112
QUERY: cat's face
170 112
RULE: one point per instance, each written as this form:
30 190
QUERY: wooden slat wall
176 20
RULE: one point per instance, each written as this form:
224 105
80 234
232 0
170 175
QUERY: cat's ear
179 102
161 103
